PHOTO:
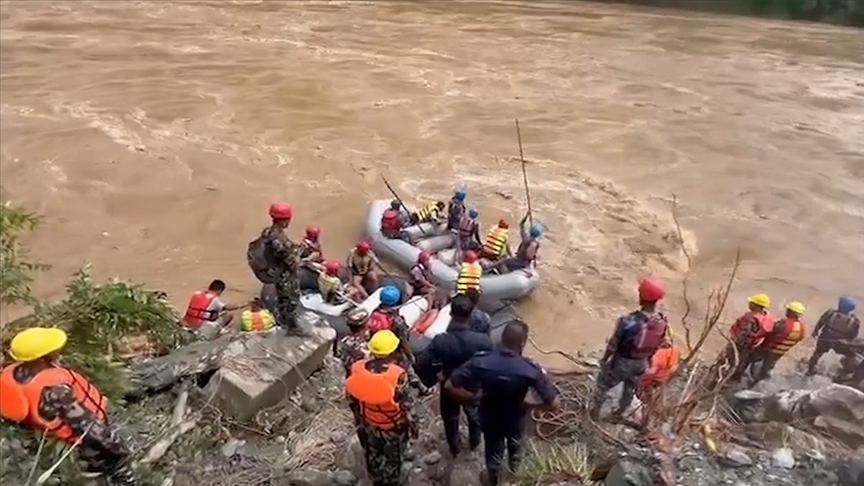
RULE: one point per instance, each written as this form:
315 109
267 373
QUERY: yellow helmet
383 343
762 300
796 307
36 342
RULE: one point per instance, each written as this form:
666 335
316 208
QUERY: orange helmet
469 257
651 290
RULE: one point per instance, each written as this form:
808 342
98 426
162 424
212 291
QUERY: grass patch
550 463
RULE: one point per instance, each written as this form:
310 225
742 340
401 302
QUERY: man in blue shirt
500 380
446 353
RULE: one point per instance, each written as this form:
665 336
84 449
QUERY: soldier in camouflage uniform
379 386
287 267
351 349
69 405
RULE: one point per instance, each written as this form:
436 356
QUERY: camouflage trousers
287 300
115 469
385 452
618 370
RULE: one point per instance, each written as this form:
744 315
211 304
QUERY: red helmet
363 247
503 224
312 232
469 257
331 267
650 290
281 211
424 257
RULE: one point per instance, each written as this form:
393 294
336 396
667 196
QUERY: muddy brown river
153 135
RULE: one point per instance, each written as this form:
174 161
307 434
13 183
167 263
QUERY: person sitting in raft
311 246
330 285
431 213
206 312
393 221
256 318
526 254
470 273
420 278
455 210
362 263
469 231
497 244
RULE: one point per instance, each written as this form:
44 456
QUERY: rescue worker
312 245
393 221
662 366
785 334
747 333
469 231
500 380
275 259
470 274
455 210
387 317
636 338
835 327
362 264
379 388
526 253
39 393
350 349
497 243
420 278
430 213
330 285
207 313
446 353
256 318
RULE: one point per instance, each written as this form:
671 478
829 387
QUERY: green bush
16 269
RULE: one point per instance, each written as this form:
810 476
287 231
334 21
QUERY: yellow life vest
256 321
429 212
361 264
469 277
326 285
496 241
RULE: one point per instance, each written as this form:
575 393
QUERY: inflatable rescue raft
435 239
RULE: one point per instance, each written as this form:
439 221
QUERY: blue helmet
390 295
459 195
473 213
535 231
846 304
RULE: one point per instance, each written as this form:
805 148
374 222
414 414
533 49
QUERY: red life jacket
646 341
379 321
789 333
391 223
467 226
196 311
746 331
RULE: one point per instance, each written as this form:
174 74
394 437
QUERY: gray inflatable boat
435 239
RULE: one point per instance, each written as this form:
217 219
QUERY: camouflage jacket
353 348
286 251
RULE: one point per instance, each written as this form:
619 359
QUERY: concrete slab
263 370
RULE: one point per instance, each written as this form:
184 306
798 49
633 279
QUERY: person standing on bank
500 381
835 328
39 393
446 353
275 259
636 338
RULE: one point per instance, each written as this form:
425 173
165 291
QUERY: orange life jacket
469 277
790 333
391 223
743 331
376 393
467 226
196 311
19 402
495 242
663 364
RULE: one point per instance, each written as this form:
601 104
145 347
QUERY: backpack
261 261
646 341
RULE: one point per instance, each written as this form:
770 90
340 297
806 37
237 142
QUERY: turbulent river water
153 135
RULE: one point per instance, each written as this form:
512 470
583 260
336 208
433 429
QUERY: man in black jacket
444 354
